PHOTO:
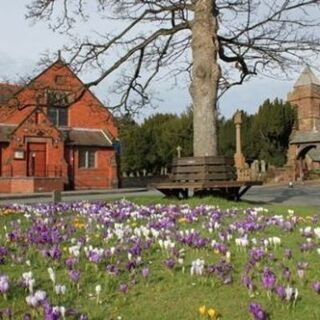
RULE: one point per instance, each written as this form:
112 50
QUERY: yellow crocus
202 310
212 313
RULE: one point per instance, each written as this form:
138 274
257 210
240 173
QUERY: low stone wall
141 182
30 184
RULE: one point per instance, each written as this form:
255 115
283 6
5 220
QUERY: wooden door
37 159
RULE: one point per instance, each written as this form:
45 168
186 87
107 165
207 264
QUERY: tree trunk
205 78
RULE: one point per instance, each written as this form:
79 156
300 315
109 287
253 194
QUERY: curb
69 193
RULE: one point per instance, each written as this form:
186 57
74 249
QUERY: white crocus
317 232
98 291
197 267
228 256
52 275
62 310
60 289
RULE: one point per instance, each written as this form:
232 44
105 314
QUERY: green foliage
227 136
271 130
153 144
264 136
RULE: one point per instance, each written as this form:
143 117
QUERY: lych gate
304 148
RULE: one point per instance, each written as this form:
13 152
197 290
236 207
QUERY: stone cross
238 156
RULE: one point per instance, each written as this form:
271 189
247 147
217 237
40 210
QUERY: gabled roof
314 154
7 90
72 136
305 137
5 132
307 78
86 137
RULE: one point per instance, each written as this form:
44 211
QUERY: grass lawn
153 258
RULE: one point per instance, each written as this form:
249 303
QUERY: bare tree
220 43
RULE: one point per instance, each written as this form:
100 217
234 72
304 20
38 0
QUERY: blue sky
23 44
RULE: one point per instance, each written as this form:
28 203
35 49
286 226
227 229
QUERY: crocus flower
257 312
291 294
4 284
212 313
60 289
268 279
286 273
74 275
197 267
202 310
52 275
316 286
32 301
98 291
280 291
288 253
40 295
145 272
170 263
123 287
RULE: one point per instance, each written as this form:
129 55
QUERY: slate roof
307 78
7 90
72 137
305 137
86 137
314 154
5 131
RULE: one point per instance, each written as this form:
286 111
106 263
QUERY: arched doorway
302 167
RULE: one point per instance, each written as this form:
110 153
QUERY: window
60 80
87 158
57 107
58 116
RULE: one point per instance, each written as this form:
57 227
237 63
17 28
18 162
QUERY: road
307 195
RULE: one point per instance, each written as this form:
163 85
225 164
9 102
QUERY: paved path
307 195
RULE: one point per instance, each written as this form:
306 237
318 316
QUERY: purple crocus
145 272
123 288
316 286
247 281
74 275
286 273
268 279
257 312
170 263
281 292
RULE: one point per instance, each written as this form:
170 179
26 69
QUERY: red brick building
54 135
304 148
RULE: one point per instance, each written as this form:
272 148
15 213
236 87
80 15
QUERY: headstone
56 196
179 151
263 166
255 169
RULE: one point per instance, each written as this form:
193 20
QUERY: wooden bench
204 176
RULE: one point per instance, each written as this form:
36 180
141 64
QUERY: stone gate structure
304 148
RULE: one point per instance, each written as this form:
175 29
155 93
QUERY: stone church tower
306 97
304 149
